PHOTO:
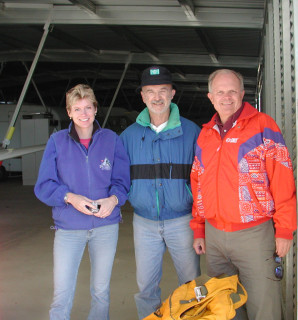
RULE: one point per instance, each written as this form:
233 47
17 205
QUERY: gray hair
224 71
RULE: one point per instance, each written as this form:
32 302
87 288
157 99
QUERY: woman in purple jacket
84 177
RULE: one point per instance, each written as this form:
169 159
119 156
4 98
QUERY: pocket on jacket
264 206
178 196
56 211
140 196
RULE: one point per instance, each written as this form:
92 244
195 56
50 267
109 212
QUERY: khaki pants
248 253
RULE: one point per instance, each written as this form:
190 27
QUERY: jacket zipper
217 175
157 202
219 149
188 189
85 153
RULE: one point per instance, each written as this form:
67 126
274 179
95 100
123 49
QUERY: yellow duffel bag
203 298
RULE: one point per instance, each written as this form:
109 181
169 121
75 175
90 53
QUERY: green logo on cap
154 72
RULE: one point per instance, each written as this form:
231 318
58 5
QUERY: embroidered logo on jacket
105 165
232 140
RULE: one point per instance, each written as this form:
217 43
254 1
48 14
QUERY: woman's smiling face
82 113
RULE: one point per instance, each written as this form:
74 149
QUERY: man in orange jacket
244 209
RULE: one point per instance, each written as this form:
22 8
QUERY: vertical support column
11 127
295 18
277 63
117 89
289 131
287 72
36 89
269 80
282 85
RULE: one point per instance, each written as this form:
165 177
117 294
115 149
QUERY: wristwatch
117 201
66 198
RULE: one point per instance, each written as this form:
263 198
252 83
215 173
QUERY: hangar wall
278 80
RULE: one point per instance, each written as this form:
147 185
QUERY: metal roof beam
86 5
207 44
188 8
138 58
15 43
132 38
143 15
107 74
76 42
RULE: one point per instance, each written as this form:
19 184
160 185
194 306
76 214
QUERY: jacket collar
143 118
247 112
73 133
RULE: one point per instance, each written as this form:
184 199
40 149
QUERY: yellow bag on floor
203 298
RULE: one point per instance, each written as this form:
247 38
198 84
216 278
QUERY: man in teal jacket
161 147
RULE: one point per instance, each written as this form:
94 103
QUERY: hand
199 245
80 202
282 246
107 205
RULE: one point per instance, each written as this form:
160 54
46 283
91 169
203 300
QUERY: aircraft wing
14 153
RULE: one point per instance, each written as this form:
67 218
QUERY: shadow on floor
26 261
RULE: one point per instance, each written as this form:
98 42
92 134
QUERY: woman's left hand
107 205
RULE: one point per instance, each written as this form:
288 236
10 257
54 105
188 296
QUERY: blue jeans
69 246
151 238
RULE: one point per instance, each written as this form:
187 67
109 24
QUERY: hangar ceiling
99 41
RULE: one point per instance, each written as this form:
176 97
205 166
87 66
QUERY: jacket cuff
121 198
62 193
199 233
283 233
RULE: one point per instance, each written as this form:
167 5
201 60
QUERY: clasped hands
82 204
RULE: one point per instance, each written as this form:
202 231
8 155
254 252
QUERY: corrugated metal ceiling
90 41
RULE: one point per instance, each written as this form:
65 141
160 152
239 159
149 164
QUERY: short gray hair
224 71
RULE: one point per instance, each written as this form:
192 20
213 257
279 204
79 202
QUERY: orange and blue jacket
244 179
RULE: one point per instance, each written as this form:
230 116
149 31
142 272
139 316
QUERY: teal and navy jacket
160 165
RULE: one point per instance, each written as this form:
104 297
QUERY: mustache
157 101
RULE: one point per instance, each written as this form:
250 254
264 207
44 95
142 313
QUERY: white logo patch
232 140
105 165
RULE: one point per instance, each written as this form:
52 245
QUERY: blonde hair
80 91
224 71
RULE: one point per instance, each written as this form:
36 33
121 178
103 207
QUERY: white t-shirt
159 128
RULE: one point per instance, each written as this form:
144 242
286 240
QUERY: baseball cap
155 75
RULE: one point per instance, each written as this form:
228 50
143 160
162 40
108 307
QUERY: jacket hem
230 227
161 218
89 227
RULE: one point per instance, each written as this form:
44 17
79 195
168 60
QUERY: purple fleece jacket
99 172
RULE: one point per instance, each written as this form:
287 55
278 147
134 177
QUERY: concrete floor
26 263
